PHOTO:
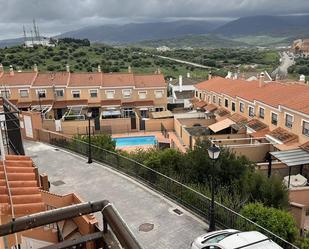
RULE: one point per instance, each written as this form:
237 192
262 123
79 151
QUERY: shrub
277 221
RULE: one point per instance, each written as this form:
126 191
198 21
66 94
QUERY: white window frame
303 121
109 91
250 106
242 110
219 101
62 90
271 118
261 108
127 96
139 94
214 99
159 91
21 90
285 119
5 90
93 90
75 91
42 91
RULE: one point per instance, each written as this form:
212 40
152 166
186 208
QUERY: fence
190 198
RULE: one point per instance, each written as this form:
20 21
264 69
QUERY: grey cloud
56 16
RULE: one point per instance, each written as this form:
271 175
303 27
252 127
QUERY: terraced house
106 95
277 111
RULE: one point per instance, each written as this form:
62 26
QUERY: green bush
103 141
277 221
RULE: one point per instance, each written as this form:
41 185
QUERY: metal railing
190 198
110 215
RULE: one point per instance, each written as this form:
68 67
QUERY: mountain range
285 27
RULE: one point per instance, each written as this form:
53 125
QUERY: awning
111 113
210 108
221 125
164 114
111 102
68 103
292 157
23 104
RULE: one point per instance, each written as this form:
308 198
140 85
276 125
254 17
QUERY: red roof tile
23 78
268 93
210 107
108 102
154 80
85 79
50 79
117 79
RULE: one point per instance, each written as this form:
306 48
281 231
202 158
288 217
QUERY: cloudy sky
56 16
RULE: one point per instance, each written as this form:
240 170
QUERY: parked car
233 239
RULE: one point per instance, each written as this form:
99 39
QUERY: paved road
286 62
136 203
183 62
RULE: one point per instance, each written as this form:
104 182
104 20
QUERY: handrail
184 186
109 213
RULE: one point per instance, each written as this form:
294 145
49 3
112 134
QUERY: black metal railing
190 198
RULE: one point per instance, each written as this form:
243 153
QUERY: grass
264 40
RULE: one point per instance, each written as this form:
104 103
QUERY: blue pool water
135 141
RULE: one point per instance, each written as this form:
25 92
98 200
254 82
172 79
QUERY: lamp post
213 152
89 115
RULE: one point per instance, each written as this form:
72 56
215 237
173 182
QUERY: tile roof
108 102
256 125
139 103
43 102
210 107
237 118
23 78
154 80
272 93
117 79
199 104
283 135
23 187
50 79
222 112
66 103
85 79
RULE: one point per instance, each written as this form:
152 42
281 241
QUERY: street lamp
89 115
213 153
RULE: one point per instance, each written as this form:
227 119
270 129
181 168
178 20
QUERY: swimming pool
135 141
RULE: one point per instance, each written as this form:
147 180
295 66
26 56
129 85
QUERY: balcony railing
188 197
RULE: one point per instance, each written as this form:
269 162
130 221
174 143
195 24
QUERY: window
241 107
288 120
59 93
208 100
126 93
251 111
6 93
159 109
220 101
76 94
233 106
306 128
159 94
142 94
274 118
93 93
200 95
226 103
24 93
261 112
196 94
41 93
110 94
213 99
128 112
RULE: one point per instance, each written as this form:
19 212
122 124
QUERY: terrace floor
136 203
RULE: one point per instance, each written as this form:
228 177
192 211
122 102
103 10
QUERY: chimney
35 68
1 67
261 81
68 68
158 71
99 69
11 70
188 75
129 69
209 75
302 78
180 83
277 77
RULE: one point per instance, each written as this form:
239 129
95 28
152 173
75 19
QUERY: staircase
23 185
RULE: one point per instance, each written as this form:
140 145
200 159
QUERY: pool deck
172 136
